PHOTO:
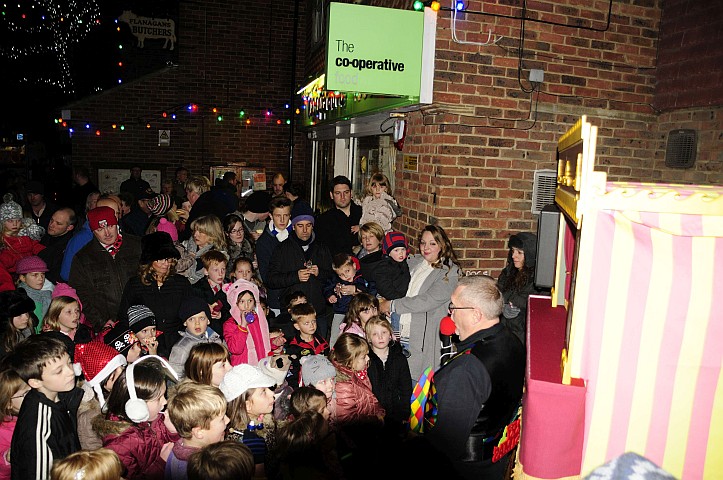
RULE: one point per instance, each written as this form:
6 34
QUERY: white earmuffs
136 409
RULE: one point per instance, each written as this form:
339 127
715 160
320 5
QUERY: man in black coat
60 231
302 263
338 227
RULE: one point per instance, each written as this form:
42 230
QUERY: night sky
55 52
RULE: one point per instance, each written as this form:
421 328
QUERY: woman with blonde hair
207 235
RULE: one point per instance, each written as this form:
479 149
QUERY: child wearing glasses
361 309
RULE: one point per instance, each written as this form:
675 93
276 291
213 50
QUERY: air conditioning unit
543 190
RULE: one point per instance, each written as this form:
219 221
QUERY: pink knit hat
166 226
30 264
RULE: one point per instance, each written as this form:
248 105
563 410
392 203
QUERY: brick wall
232 56
481 141
690 63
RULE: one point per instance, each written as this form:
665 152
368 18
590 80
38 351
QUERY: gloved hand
510 311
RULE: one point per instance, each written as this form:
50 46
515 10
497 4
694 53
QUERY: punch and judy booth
625 356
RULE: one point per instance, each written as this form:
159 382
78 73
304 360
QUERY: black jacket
45 431
203 290
209 203
333 229
53 254
392 278
368 267
163 302
286 261
99 278
391 384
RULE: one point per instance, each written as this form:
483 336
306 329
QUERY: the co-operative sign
374 50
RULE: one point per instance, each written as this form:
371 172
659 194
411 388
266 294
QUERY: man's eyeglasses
451 308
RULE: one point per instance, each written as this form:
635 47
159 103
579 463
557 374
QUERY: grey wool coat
428 308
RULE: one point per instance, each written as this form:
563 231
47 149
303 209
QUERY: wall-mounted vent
680 152
543 190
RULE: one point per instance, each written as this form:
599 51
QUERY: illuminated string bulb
97 133
114 126
298 111
215 110
278 122
248 121
435 6
173 116
219 118
148 125
164 115
122 127
241 114
268 113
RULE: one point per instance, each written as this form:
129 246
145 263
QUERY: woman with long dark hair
516 282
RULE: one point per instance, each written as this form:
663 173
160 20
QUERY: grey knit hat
315 368
10 209
140 317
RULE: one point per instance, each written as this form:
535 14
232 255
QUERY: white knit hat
10 209
241 378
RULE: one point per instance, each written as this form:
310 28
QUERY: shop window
372 154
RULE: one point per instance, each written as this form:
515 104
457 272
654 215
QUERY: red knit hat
101 217
97 361
393 240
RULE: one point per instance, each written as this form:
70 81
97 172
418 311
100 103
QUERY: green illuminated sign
374 50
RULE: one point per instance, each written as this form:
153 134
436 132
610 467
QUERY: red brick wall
690 63
480 142
232 56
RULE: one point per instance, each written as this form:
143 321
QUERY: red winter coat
15 248
138 446
355 401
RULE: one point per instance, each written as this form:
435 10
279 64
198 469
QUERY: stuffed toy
278 368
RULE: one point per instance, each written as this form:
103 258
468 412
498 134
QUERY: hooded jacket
355 401
517 296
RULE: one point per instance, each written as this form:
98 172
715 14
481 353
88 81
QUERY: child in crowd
196 314
211 289
198 412
31 278
64 316
46 428
264 301
283 320
207 363
306 341
355 400
378 204
392 276
308 448
309 399
14 246
247 331
12 393
221 461
123 340
207 235
101 366
16 319
317 371
250 404
243 269
100 464
239 240
389 374
134 427
343 286
63 289
362 308
142 323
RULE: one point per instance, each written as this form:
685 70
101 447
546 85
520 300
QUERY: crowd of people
200 333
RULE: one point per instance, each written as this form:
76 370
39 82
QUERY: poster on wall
110 179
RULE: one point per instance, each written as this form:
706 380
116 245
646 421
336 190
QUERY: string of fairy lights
165 119
66 22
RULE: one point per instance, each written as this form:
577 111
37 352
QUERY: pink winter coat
139 447
6 434
254 344
355 401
